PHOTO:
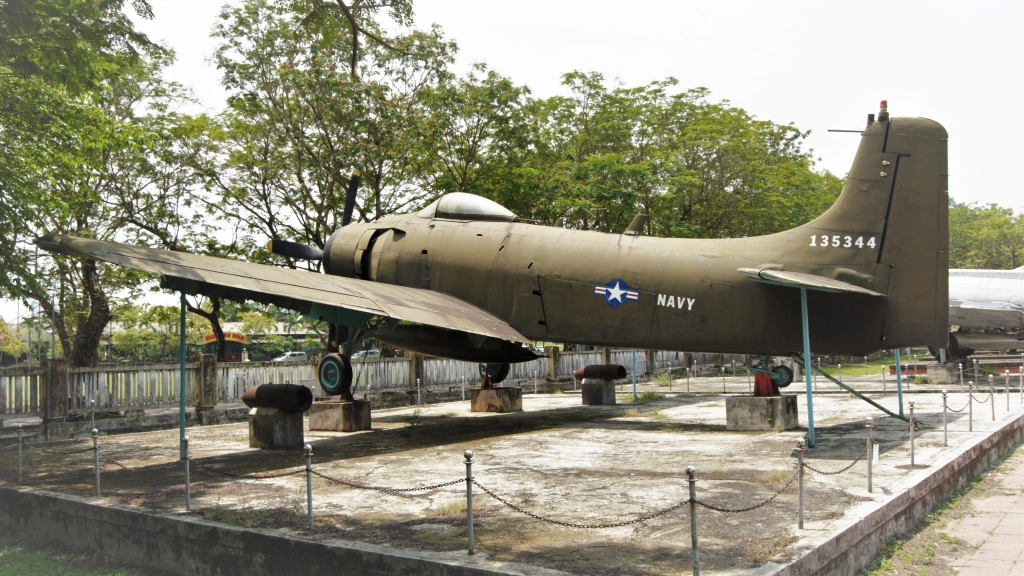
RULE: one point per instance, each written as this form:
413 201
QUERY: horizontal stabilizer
802 280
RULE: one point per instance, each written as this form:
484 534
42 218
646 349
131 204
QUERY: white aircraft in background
985 300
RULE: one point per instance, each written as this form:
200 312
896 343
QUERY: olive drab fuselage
887 232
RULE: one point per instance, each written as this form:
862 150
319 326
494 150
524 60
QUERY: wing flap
287 285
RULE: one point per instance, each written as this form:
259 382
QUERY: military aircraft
464 278
986 311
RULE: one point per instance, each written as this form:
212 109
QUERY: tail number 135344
824 241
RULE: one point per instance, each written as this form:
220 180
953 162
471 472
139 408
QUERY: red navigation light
885 103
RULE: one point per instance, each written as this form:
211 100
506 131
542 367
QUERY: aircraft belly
528 308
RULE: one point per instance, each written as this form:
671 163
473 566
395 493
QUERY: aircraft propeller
298 251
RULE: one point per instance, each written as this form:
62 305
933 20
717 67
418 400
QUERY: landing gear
782 376
493 373
335 375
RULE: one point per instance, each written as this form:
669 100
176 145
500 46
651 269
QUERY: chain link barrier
960 410
11 445
894 442
755 506
579 525
247 476
116 463
58 452
382 489
823 473
979 401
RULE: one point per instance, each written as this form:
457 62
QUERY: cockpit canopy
463 206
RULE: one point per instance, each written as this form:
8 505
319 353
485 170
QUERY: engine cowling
345 249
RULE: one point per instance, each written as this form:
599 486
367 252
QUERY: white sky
819 65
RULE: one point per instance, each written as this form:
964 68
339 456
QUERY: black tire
335 374
496 372
782 376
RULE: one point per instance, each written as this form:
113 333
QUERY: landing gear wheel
495 372
782 376
335 375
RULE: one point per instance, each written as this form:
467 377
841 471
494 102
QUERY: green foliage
987 236
10 344
23 556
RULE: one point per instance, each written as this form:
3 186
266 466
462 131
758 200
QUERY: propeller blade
350 198
294 250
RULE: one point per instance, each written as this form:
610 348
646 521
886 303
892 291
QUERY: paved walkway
997 526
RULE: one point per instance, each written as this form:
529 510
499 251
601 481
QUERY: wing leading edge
332 298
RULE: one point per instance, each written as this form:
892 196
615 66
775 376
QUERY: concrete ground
996 527
558 459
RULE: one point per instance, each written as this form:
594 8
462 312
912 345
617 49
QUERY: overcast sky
819 65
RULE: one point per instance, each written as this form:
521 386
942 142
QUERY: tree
10 344
299 122
987 236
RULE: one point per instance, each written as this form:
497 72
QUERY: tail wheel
782 376
335 375
495 372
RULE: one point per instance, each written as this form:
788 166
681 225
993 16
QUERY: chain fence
73 447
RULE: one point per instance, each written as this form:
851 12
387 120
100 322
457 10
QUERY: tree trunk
214 319
85 350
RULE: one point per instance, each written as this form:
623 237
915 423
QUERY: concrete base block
340 416
503 399
761 413
598 393
271 429
943 374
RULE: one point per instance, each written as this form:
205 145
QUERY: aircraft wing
328 297
803 280
975 315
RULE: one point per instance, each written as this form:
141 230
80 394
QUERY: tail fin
895 202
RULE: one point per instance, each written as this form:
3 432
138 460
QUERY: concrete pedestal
761 413
943 374
503 399
340 416
271 429
598 393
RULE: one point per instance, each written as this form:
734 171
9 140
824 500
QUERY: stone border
187 545
853 548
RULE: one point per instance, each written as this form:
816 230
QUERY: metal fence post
418 401
945 427
1007 390
992 395
970 406
871 448
884 370
911 433
688 380
188 475
92 401
534 383
464 387
309 485
723 379
960 365
693 519
840 367
96 456
19 453
800 444
469 497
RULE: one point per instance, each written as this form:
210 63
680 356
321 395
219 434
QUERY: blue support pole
634 376
181 388
807 367
899 381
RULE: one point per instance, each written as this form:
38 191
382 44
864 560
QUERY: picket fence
141 386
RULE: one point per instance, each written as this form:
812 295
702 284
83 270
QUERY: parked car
290 357
366 355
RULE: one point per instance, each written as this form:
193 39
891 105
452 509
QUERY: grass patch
449 415
777 477
764 549
449 509
663 380
245 517
413 418
22 556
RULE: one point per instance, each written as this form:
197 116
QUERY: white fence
131 386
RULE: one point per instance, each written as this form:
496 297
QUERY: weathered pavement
997 528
